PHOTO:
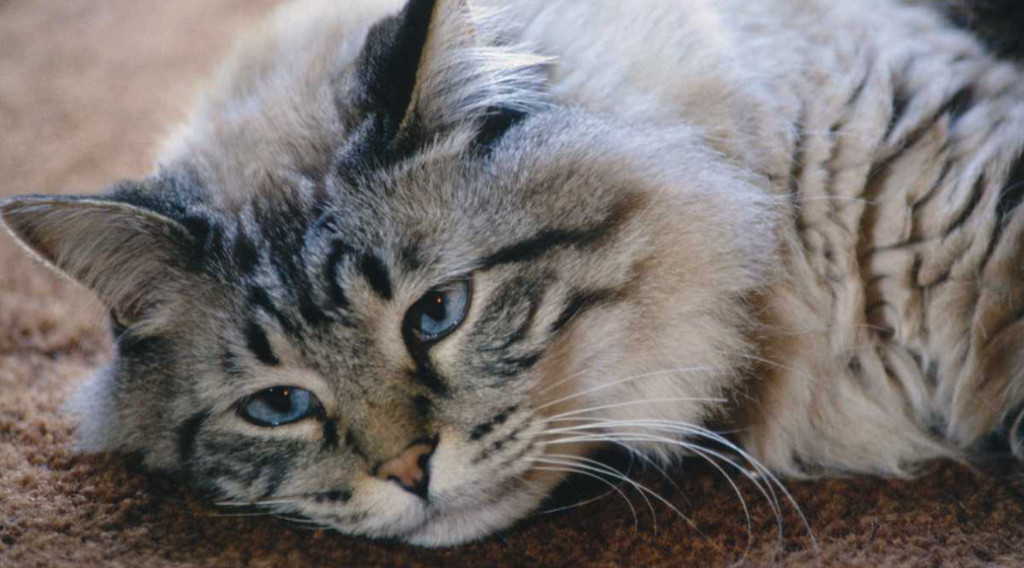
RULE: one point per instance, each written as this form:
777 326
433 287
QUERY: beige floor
86 89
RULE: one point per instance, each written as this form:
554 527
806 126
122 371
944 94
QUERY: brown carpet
86 90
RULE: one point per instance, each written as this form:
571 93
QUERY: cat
409 264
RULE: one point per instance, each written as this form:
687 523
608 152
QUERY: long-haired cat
406 265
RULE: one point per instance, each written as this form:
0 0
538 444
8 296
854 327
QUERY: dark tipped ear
441 62
123 253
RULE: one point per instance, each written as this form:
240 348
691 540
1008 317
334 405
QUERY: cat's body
795 218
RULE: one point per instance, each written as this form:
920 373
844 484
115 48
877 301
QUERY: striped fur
798 218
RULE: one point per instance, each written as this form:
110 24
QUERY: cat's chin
466 522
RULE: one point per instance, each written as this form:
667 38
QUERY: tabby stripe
186 434
278 472
538 245
506 306
1012 192
330 442
376 274
859 89
955 106
339 251
260 298
428 377
482 429
229 363
520 333
977 192
900 102
309 310
947 166
579 302
256 341
411 257
507 367
796 174
244 253
1010 197
959 103
547 240
132 346
334 496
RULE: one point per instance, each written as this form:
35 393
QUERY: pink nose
408 469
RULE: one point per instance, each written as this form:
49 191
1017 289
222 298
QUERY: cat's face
382 335
383 361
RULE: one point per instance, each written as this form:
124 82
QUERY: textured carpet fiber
86 90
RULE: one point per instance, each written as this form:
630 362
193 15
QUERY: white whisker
597 467
636 519
640 488
631 403
622 381
694 430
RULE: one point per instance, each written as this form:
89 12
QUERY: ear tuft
466 71
121 252
439 63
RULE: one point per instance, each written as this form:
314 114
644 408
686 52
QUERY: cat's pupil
280 400
436 307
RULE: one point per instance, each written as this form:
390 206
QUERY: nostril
410 469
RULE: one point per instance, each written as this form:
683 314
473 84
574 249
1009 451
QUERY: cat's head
381 267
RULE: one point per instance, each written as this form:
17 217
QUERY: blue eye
278 406
439 311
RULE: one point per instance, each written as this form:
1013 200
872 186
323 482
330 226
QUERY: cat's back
745 72
742 71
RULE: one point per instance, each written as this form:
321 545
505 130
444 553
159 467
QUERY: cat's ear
124 253
439 63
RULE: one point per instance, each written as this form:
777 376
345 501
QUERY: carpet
87 89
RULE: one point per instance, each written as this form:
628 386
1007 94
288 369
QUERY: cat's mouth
461 509
456 521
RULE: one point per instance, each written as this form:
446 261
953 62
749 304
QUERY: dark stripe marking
309 310
498 419
330 442
545 241
244 253
411 257
900 102
579 302
1010 197
333 496
539 245
977 192
186 435
512 366
260 298
1012 192
256 341
278 472
339 251
132 346
959 103
422 407
376 274
428 377
229 363
506 306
